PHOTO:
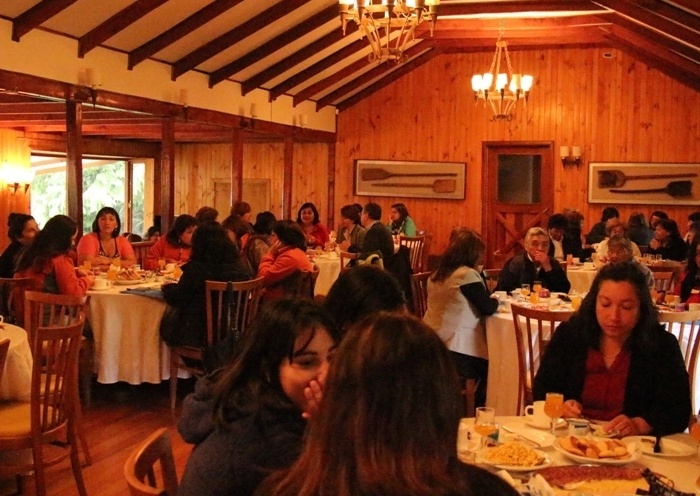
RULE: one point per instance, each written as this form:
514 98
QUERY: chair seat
15 420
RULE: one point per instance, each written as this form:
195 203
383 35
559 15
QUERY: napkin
156 294
539 486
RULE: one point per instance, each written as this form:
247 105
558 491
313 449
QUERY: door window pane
519 178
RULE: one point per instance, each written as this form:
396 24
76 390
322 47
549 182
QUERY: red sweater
275 269
171 253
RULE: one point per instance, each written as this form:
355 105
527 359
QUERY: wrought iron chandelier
388 24
501 90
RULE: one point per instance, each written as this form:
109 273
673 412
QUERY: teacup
535 414
576 260
502 295
101 283
589 266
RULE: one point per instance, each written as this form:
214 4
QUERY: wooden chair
53 310
140 472
676 269
231 306
345 258
491 276
663 281
686 327
415 245
12 294
141 249
532 335
4 348
45 425
303 283
419 289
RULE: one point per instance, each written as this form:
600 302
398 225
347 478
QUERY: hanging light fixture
501 90
388 24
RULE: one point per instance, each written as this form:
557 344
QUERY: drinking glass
554 409
537 286
161 263
485 422
525 290
695 433
87 265
575 301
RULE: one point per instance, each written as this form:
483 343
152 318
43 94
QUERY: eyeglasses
539 244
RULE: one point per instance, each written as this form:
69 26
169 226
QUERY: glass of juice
525 290
575 301
695 433
485 422
554 409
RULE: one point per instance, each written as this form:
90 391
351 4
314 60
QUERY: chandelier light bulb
526 82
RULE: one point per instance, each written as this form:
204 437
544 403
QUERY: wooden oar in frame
377 174
438 186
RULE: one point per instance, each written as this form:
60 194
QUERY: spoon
376 174
616 178
674 189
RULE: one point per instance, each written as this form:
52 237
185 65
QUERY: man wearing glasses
534 264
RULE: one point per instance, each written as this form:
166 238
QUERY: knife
521 437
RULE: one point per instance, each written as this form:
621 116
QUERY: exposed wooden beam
316 88
296 58
677 15
490 28
235 35
398 73
74 163
515 7
115 24
236 165
312 23
691 5
287 178
310 72
181 29
34 17
379 70
662 25
167 174
93 146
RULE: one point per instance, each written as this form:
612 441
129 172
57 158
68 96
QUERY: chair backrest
51 310
302 282
139 469
4 348
141 249
419 289
415 245
532 334
55 368
491 276
686 327
231 306
663 281
345 258
12 297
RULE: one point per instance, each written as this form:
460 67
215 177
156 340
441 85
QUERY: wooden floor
120 418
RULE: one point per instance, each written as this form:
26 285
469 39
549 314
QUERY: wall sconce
250 123
93 80
184 101
574 159
303 121
16 177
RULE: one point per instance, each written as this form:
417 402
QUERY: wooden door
518 193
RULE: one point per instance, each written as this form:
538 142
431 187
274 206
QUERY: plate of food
514 456
531 421
598 430
128 282
670 448
597 450
590 479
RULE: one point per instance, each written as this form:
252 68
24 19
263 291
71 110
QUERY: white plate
100 289
546 462
670 448
532 423
544 439
125 282
635 455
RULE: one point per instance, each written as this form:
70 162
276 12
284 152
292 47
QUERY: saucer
560 423
100 289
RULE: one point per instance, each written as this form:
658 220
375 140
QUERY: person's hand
542 259
625 426
313 394
654 243
345 245
275 248
90 279
100 260
572 409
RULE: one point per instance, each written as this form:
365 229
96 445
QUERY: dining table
17 376
682 470
329 269
581 279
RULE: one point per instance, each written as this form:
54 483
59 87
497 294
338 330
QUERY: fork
521 437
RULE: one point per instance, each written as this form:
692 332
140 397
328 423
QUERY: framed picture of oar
644 183
439 180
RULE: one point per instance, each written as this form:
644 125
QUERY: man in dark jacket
560 243
378 237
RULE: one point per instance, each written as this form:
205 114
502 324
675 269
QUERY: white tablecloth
127 342
329 270
17 378
581 279
682 471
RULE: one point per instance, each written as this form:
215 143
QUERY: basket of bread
591 449
128 276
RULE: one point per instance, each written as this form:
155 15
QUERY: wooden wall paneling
167 174
310 179
13 150
237 168
266 161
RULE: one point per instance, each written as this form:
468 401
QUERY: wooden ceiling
297 48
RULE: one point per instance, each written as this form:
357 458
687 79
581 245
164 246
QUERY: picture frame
411 179
644 183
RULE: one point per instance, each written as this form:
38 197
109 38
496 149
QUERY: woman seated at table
287 255
457 301
104 244
214 258
614 227
246 420
613 361
237 230
350 231
401 223
315 233
690 279
46 260
388 421
668 241
174 247
259 242
22 229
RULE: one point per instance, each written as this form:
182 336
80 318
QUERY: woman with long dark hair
174 247
401 223
308 219
104 244
286 256
457 301
258 243
690 279
246 420
351 231
388 421
46 260
613 360
668 242
21 229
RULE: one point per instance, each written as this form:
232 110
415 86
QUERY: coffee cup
535 414
502 295
694 307
101 283
589 266
576 260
